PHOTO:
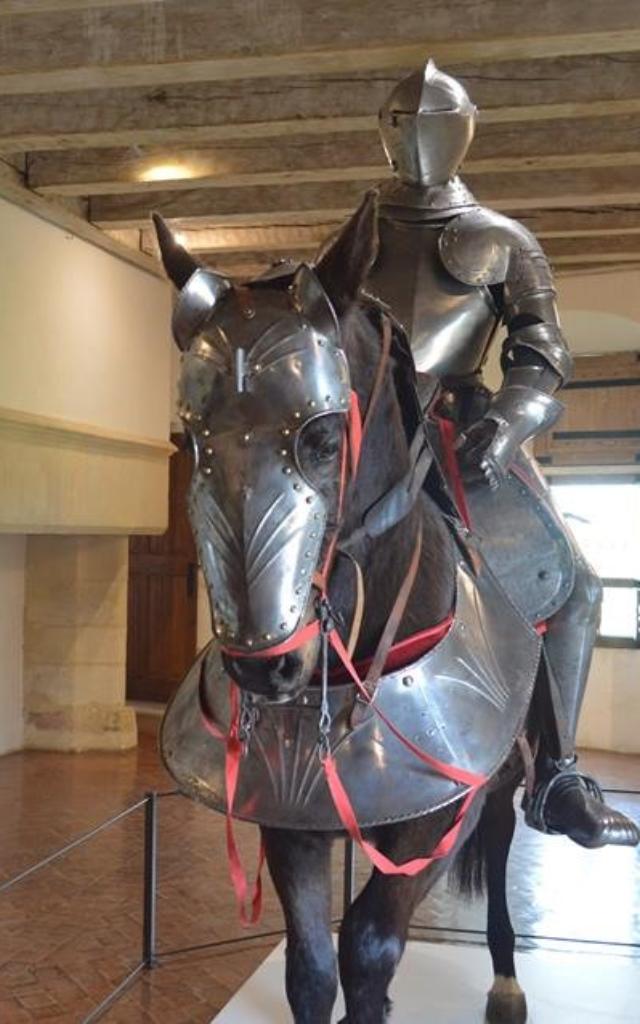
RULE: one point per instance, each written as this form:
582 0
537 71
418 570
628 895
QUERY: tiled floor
71 932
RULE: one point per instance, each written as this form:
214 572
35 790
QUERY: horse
374 929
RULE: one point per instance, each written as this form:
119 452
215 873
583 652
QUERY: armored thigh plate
524 540
464 702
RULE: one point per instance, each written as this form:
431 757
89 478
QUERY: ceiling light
166 172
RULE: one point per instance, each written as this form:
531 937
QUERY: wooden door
162 614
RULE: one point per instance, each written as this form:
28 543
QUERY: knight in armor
450 272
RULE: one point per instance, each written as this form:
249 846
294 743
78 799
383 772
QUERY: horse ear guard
313 303
178 263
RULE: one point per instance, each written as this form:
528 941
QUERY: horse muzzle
277 679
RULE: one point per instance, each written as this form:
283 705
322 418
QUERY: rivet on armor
313 535
316 515
297 415
309 501
283 451
207 470
267 636
246 437
303 572
258 367
311 403
286 432
307 554
208 451
297 486
298 591
249 642
206 432
282 626
407 680
287 470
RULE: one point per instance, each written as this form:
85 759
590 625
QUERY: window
604 517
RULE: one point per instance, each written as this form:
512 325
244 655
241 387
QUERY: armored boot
564 801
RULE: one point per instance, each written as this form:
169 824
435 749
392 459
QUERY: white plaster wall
12 563
84 336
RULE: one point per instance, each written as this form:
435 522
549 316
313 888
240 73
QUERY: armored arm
492 250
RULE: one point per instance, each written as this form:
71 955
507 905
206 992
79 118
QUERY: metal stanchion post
150 880
349 881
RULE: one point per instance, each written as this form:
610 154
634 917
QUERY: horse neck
385 560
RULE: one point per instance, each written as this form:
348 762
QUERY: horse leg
506 1003
374 930
300 866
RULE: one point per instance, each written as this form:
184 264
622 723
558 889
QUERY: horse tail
468 872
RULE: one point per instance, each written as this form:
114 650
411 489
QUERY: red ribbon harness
399 654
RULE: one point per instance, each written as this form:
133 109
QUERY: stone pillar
76 644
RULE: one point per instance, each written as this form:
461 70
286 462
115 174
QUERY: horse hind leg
300 866
506 1002
482 863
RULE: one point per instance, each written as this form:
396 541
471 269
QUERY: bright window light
605 520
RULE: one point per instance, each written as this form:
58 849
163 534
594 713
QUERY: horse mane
384 459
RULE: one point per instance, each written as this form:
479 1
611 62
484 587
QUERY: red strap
236 869
383 863
233 757
297 639
448 437
355 433
343 805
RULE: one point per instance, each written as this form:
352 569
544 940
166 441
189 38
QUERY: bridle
324 626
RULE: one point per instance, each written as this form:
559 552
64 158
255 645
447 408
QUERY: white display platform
447 984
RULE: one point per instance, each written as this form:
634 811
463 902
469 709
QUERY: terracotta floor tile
70 933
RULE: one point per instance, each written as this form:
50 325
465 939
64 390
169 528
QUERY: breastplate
449 324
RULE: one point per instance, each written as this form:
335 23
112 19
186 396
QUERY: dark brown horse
374 931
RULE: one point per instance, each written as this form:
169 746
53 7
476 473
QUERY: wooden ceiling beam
599 142
143 44
199 114
271 204
277 239
281 239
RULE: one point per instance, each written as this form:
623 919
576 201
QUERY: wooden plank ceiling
251 124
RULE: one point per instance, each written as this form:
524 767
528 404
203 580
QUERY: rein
324 626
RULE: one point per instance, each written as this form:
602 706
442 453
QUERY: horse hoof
506 1003
388 1007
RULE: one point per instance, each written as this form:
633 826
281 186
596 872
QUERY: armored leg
565 801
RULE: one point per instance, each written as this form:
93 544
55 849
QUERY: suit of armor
450 272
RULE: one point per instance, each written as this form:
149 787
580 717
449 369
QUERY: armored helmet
427 124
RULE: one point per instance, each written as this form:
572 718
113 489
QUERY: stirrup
535 806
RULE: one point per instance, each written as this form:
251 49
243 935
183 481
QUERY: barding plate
464 702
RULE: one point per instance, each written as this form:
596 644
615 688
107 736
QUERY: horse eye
320 441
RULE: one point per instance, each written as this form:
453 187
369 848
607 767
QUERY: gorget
464 702
426 202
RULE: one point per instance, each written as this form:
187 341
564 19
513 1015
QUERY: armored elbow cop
542 340
520 412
